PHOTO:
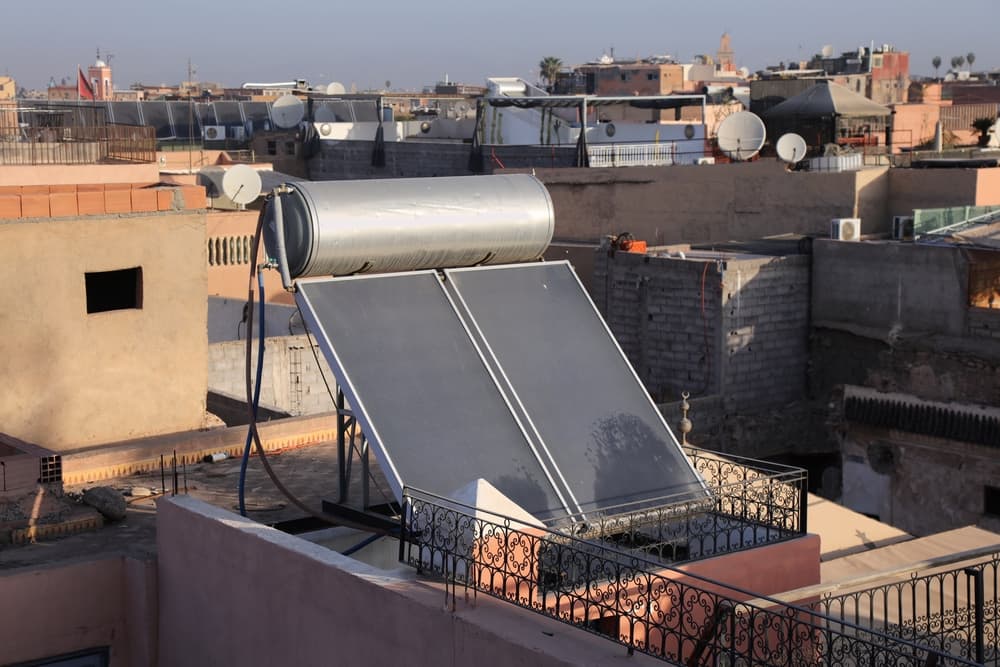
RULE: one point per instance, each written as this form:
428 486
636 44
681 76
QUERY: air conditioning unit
705 160
845 229
214 133
902 227
238 132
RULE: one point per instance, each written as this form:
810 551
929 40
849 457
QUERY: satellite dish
287 111
744 72
741 135
241 184
335 88
791 148
827 51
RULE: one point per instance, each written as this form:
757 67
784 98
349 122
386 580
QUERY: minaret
724 58
100 78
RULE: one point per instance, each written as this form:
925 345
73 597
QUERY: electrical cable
252 427
256 393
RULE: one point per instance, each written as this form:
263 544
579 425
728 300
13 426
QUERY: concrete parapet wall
890 287
242 593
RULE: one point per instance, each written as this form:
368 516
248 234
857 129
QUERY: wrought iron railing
954 611
50 139
645 606
748 503
632 155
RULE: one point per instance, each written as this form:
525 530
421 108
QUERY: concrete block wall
653 306
735 326
291 381
984 323
765 320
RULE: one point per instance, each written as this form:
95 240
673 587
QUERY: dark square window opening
991 501
114 290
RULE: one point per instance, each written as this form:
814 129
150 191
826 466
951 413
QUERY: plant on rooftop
549 67
983 125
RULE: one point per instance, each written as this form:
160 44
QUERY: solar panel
184 118
155 114
421 389
125 113
605 435
228 113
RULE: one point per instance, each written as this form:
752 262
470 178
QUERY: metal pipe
279 229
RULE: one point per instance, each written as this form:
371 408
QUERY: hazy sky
414 43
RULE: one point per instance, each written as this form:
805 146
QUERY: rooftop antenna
741 136
791 148
242 184
287 111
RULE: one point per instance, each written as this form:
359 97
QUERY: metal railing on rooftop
53 136
646 606
749 503
632 155
955 611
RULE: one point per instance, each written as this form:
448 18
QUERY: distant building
8 88
884 72
99 75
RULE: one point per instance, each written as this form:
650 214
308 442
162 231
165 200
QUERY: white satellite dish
241 184
741 135
287 111
791 148
335 88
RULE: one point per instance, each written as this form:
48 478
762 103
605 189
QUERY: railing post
977 579
402 528
804 503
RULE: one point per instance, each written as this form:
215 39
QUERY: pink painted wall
75 174
51 610
236 592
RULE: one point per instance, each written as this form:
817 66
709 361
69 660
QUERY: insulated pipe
407 224
279 226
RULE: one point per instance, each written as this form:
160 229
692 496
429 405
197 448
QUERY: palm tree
954 62
936 61
971 58
960 60
549 68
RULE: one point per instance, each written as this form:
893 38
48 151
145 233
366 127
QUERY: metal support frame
346 433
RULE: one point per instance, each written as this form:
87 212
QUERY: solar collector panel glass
604 434
228 113
422 392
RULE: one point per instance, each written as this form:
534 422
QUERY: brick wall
765 320
731 326
64 201
653 307
291 381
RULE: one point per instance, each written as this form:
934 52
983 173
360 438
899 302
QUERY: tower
100 78
724 58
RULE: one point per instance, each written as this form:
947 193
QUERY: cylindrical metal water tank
406 224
